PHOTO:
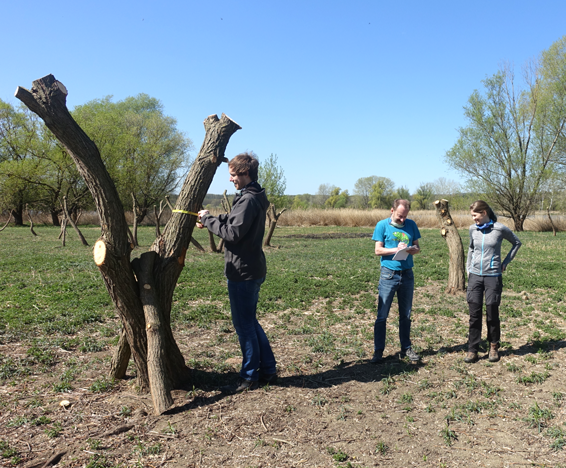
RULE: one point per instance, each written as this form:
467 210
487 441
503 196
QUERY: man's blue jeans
256 351
401 282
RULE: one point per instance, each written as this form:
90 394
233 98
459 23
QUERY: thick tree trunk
456 270
55 217
143 303
18 215
273 218
519 222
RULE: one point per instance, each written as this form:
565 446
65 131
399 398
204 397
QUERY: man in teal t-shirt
393 236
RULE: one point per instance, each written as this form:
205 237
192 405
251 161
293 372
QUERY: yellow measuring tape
185 212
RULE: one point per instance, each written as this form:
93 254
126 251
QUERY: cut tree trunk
30 222
273 218
212 242
456 270
143 303
75 227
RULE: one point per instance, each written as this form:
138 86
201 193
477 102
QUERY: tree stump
273 218
456 271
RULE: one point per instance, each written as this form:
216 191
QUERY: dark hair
245 162
401 201
479 206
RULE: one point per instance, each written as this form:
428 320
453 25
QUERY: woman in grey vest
485 270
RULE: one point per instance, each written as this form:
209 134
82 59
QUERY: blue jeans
401 282
256 350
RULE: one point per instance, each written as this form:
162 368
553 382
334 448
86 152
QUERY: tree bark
161 369
158 218
273 218
121 357
456 271
135 226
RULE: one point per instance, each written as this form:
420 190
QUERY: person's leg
267 363
243 303
405 298
493 289
388 284
475 305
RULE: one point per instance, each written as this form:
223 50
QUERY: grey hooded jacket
242 230
484 253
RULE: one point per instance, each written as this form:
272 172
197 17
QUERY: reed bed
347 217
423 218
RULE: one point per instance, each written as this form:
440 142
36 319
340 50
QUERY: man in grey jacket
245 268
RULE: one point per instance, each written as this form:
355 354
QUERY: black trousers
491 287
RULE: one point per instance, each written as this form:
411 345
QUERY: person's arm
516 244
415 248
236 224
380 250
470 253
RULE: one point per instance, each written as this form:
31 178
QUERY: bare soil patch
329 408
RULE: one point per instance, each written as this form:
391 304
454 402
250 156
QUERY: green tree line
142 149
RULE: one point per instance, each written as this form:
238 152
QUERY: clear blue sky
337 89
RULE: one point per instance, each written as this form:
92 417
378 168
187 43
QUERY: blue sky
338 90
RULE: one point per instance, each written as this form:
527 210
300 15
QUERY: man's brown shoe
471 357
493 352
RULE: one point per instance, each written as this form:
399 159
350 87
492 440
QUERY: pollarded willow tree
142 290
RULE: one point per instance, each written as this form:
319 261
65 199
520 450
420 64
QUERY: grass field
330 408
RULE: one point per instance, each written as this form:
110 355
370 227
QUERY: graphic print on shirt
401 237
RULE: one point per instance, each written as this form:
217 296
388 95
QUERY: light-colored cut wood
99 252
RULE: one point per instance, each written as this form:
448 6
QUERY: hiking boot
268 378
493 352
377 357
409 353
471 357
239 386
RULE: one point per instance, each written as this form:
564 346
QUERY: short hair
479 206
245 162
401 201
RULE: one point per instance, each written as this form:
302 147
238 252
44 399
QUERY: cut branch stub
99 252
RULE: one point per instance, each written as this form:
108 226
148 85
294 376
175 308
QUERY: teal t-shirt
391 236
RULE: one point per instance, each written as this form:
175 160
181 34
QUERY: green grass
48 289
318 304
